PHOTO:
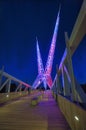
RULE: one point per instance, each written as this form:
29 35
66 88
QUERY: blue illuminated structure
45 75
40 78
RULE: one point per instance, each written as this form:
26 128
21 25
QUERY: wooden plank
21 115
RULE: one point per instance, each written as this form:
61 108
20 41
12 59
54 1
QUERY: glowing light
39 82
7 95
76 118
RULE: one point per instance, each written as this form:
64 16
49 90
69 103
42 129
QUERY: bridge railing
66 90
20 88
6 97
74 114
65 82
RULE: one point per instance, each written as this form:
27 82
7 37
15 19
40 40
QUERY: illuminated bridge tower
44 75
40 78
49 63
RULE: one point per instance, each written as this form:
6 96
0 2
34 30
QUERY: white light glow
7 95
76 118
39 82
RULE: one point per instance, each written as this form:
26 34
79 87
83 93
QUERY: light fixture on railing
77 119
7 95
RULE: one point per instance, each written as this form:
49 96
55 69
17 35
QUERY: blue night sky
21 22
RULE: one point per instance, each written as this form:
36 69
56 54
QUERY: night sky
21 22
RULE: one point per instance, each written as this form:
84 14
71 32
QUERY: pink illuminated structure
44 75
40 78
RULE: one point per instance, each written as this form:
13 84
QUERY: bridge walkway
21 115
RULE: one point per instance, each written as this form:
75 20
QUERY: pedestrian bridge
61 108
22 114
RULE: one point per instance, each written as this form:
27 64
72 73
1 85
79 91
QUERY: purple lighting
44 75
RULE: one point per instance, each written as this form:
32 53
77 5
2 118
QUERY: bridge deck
20 115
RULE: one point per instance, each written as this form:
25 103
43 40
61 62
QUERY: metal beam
66 86
18 87
4 84
15 79
79 31
70 68
1 72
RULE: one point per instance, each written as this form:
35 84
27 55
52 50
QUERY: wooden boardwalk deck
20 115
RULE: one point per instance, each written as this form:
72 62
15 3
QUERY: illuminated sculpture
45 75
40 78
